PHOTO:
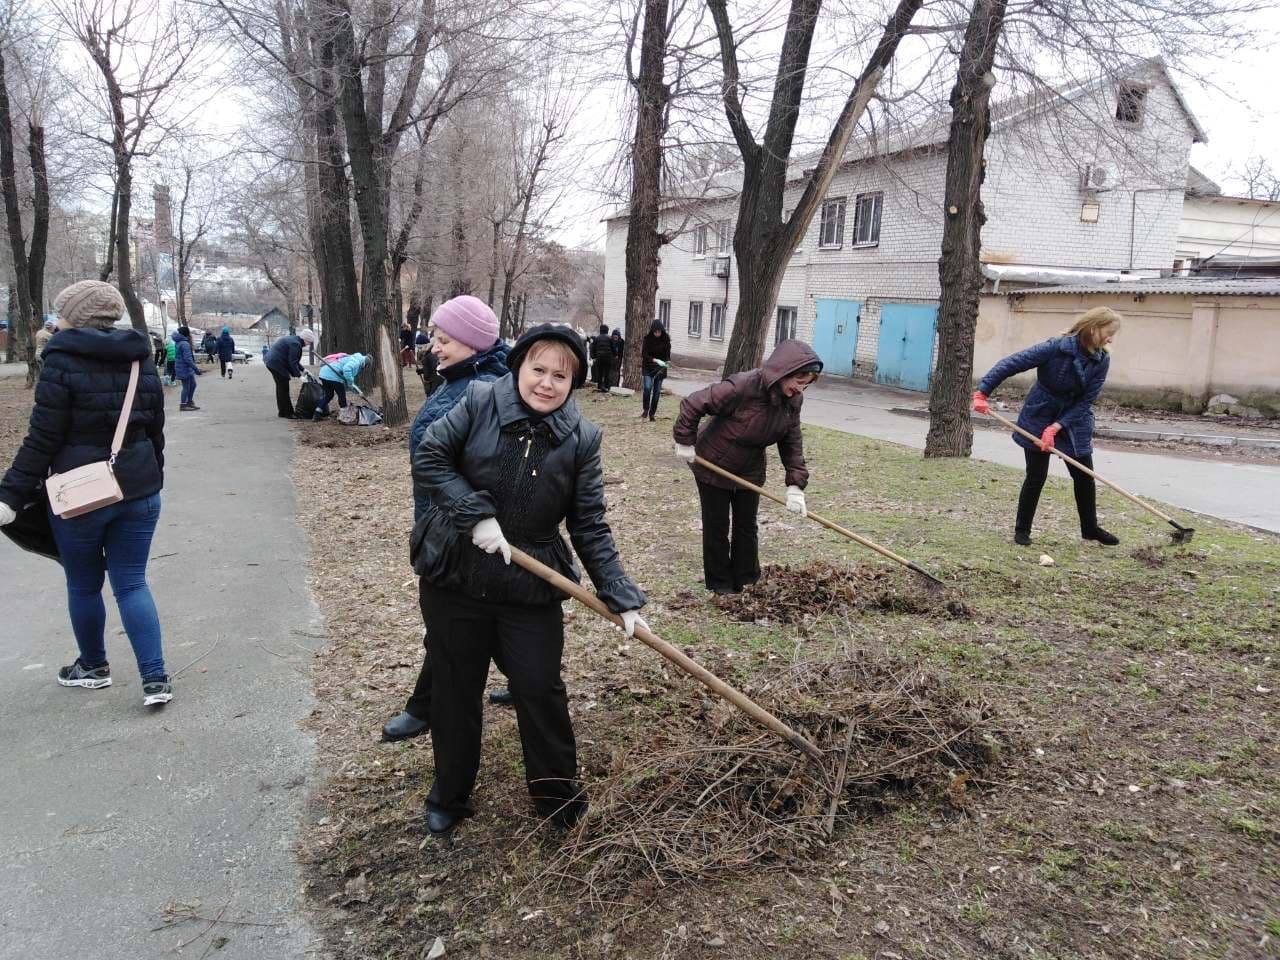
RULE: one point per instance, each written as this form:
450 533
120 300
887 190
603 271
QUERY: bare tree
1261 180
762 240
142 51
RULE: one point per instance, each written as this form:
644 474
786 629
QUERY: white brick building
871 253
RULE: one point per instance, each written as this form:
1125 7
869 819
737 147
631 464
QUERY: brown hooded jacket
748 412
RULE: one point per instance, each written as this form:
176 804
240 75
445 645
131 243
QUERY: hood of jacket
511 410
492 361
354 364
177 337
787 357
117 344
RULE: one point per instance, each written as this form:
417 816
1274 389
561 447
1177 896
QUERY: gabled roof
932 132
1198 185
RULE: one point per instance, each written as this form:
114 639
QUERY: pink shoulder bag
94 485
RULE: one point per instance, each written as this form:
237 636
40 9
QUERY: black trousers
1085 489
419 703
222 366
284 405
601 373
463 635
730 561
330 389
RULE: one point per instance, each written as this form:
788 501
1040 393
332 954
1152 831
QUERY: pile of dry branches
710 793
814 590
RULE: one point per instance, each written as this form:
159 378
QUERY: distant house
273 322
1226 236
1066 200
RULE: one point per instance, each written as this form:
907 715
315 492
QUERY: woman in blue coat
1070 372
185 368
467 349
226 352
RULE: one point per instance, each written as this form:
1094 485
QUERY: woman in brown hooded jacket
747 412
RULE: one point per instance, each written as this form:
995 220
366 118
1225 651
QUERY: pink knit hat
468 320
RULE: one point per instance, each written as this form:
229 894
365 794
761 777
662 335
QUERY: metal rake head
1182 534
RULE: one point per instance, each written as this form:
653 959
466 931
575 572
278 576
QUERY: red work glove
1046 438
980 404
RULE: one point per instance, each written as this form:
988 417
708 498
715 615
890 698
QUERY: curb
1120 433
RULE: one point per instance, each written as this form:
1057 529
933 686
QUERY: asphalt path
119 819
1247 493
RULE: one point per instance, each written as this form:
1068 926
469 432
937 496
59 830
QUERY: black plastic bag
310 396
31 530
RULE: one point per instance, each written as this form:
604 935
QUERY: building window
664 313
831 227
866 219
723 237
700 240
695 320
1131 98
785 327
717 321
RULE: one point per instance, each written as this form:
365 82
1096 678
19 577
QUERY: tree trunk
644 242
495 261
37 251
23 331
959 271
380 331
124 269
340 322
108 264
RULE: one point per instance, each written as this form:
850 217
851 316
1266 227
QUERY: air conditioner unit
720 267
1097 177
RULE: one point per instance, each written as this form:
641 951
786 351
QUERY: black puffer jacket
487 458
78 400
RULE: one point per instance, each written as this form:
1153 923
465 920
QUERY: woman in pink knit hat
467 347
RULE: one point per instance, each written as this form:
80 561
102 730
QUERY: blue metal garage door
835 334
904 357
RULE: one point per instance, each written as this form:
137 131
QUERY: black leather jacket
487 458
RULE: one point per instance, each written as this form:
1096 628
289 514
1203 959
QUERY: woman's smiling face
546 376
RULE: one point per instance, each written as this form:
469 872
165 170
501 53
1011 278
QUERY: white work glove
795 501
7 516
685 453
487 535
630 618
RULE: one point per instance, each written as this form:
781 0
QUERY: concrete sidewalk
1243 492
116 816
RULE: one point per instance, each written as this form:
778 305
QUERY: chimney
164 218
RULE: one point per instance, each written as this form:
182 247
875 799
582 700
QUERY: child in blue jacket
1070 372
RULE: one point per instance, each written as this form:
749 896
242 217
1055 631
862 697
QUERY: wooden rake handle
672 653
1080 466
817 518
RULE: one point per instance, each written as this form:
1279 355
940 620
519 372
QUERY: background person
655 354
284 360
185 368
602 359
747 412
1070 372
618 345
336 375
226 353
466 348
512 459
78 400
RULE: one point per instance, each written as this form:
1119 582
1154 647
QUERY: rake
1180 533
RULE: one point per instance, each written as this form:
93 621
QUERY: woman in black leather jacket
504 467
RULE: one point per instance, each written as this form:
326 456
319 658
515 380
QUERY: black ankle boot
1022 538
403 726
1104 538
440 823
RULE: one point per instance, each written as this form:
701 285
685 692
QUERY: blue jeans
652 392
116 541
188 389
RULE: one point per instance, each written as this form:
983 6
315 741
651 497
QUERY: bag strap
118 440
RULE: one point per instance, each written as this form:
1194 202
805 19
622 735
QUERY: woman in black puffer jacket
512 459
77 406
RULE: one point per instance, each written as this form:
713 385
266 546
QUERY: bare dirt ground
1112 791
